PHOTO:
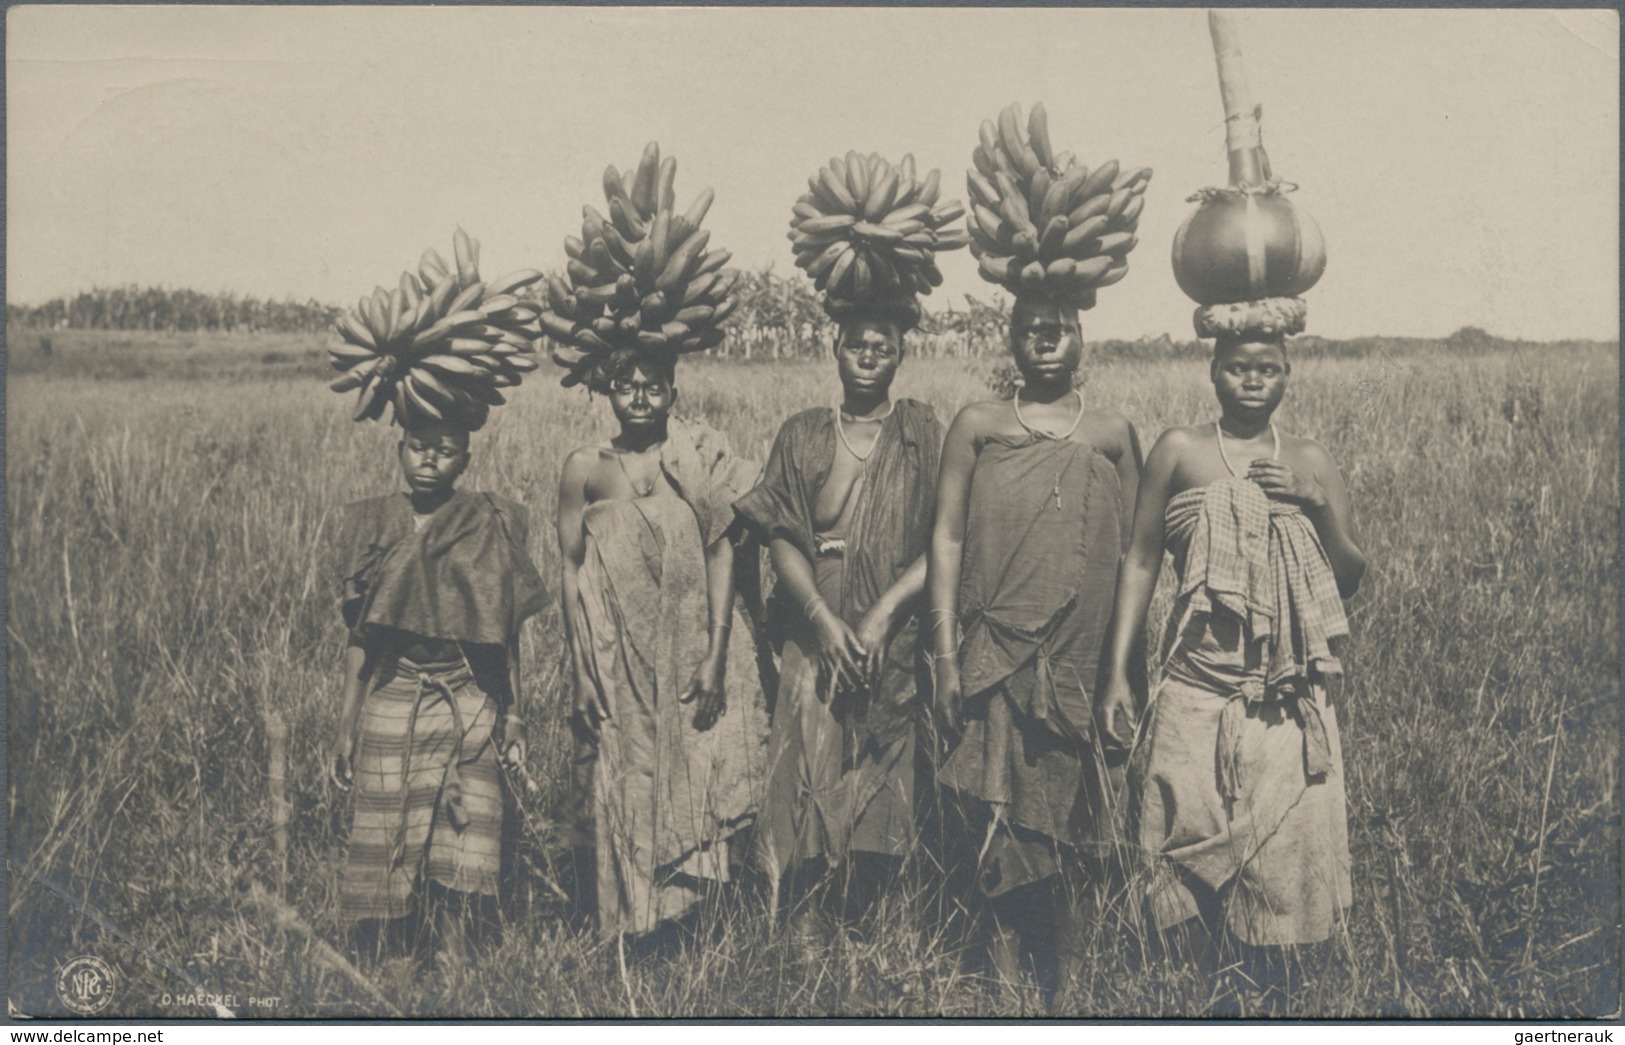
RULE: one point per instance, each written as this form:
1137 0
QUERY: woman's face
1249 377
1045 340
867 354
642 397
433 456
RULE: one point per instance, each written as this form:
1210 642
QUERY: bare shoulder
1309 452
1180 439
1109 429
579 463
978 418
980 411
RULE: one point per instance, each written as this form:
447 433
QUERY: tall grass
169 588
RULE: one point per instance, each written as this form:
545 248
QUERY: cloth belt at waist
436 681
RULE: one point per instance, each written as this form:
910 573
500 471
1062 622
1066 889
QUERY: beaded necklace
1064 436
1015 400
840 430
1218 433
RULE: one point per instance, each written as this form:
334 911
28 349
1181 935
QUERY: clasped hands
850 659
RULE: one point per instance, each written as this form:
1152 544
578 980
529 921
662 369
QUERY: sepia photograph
714 513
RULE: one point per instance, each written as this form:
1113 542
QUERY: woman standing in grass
845 504
1033 510
647 559
1238 772
437 582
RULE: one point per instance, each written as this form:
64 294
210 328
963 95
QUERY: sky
1463 165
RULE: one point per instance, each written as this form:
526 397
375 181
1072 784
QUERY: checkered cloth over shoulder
1260 560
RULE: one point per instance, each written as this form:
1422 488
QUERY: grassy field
168 510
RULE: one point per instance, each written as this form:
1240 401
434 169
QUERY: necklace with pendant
840 430
1218 433
620 459
1063 437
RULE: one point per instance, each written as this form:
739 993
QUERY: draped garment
428 795
1043 538
465 576
1238 770
841 774
666 798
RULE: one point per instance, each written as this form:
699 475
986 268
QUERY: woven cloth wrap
1261 561
1266 318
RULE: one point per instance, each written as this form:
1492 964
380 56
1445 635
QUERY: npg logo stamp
85 984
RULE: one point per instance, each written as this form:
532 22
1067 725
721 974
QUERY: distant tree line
132 307
779 317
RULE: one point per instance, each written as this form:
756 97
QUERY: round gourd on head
1246 246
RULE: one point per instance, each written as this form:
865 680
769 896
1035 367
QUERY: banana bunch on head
440 345
641 281
1045 224
870 229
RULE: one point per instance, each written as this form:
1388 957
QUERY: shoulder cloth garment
465 576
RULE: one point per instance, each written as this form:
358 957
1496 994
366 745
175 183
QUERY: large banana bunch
439 345
641 279
1045 223
868 227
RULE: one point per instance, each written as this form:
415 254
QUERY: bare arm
1334 522
588 707
839 652
1129 464
905 592
1136 581
887 614
708 684
513 725
358 667
946 562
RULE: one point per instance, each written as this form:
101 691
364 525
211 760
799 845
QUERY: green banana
354 329
614 188
1131 212
681 260
643 185
514 281
695 215
1119 202
557 327
1054 235
698 287
1099 180
857 176
1113 274
836 192
930 188
943 213
1089 208
466 298
1038 133
1037 189
714 260
841 270
1087 270
1000 269
1082 234
666 193
981 189
881 196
